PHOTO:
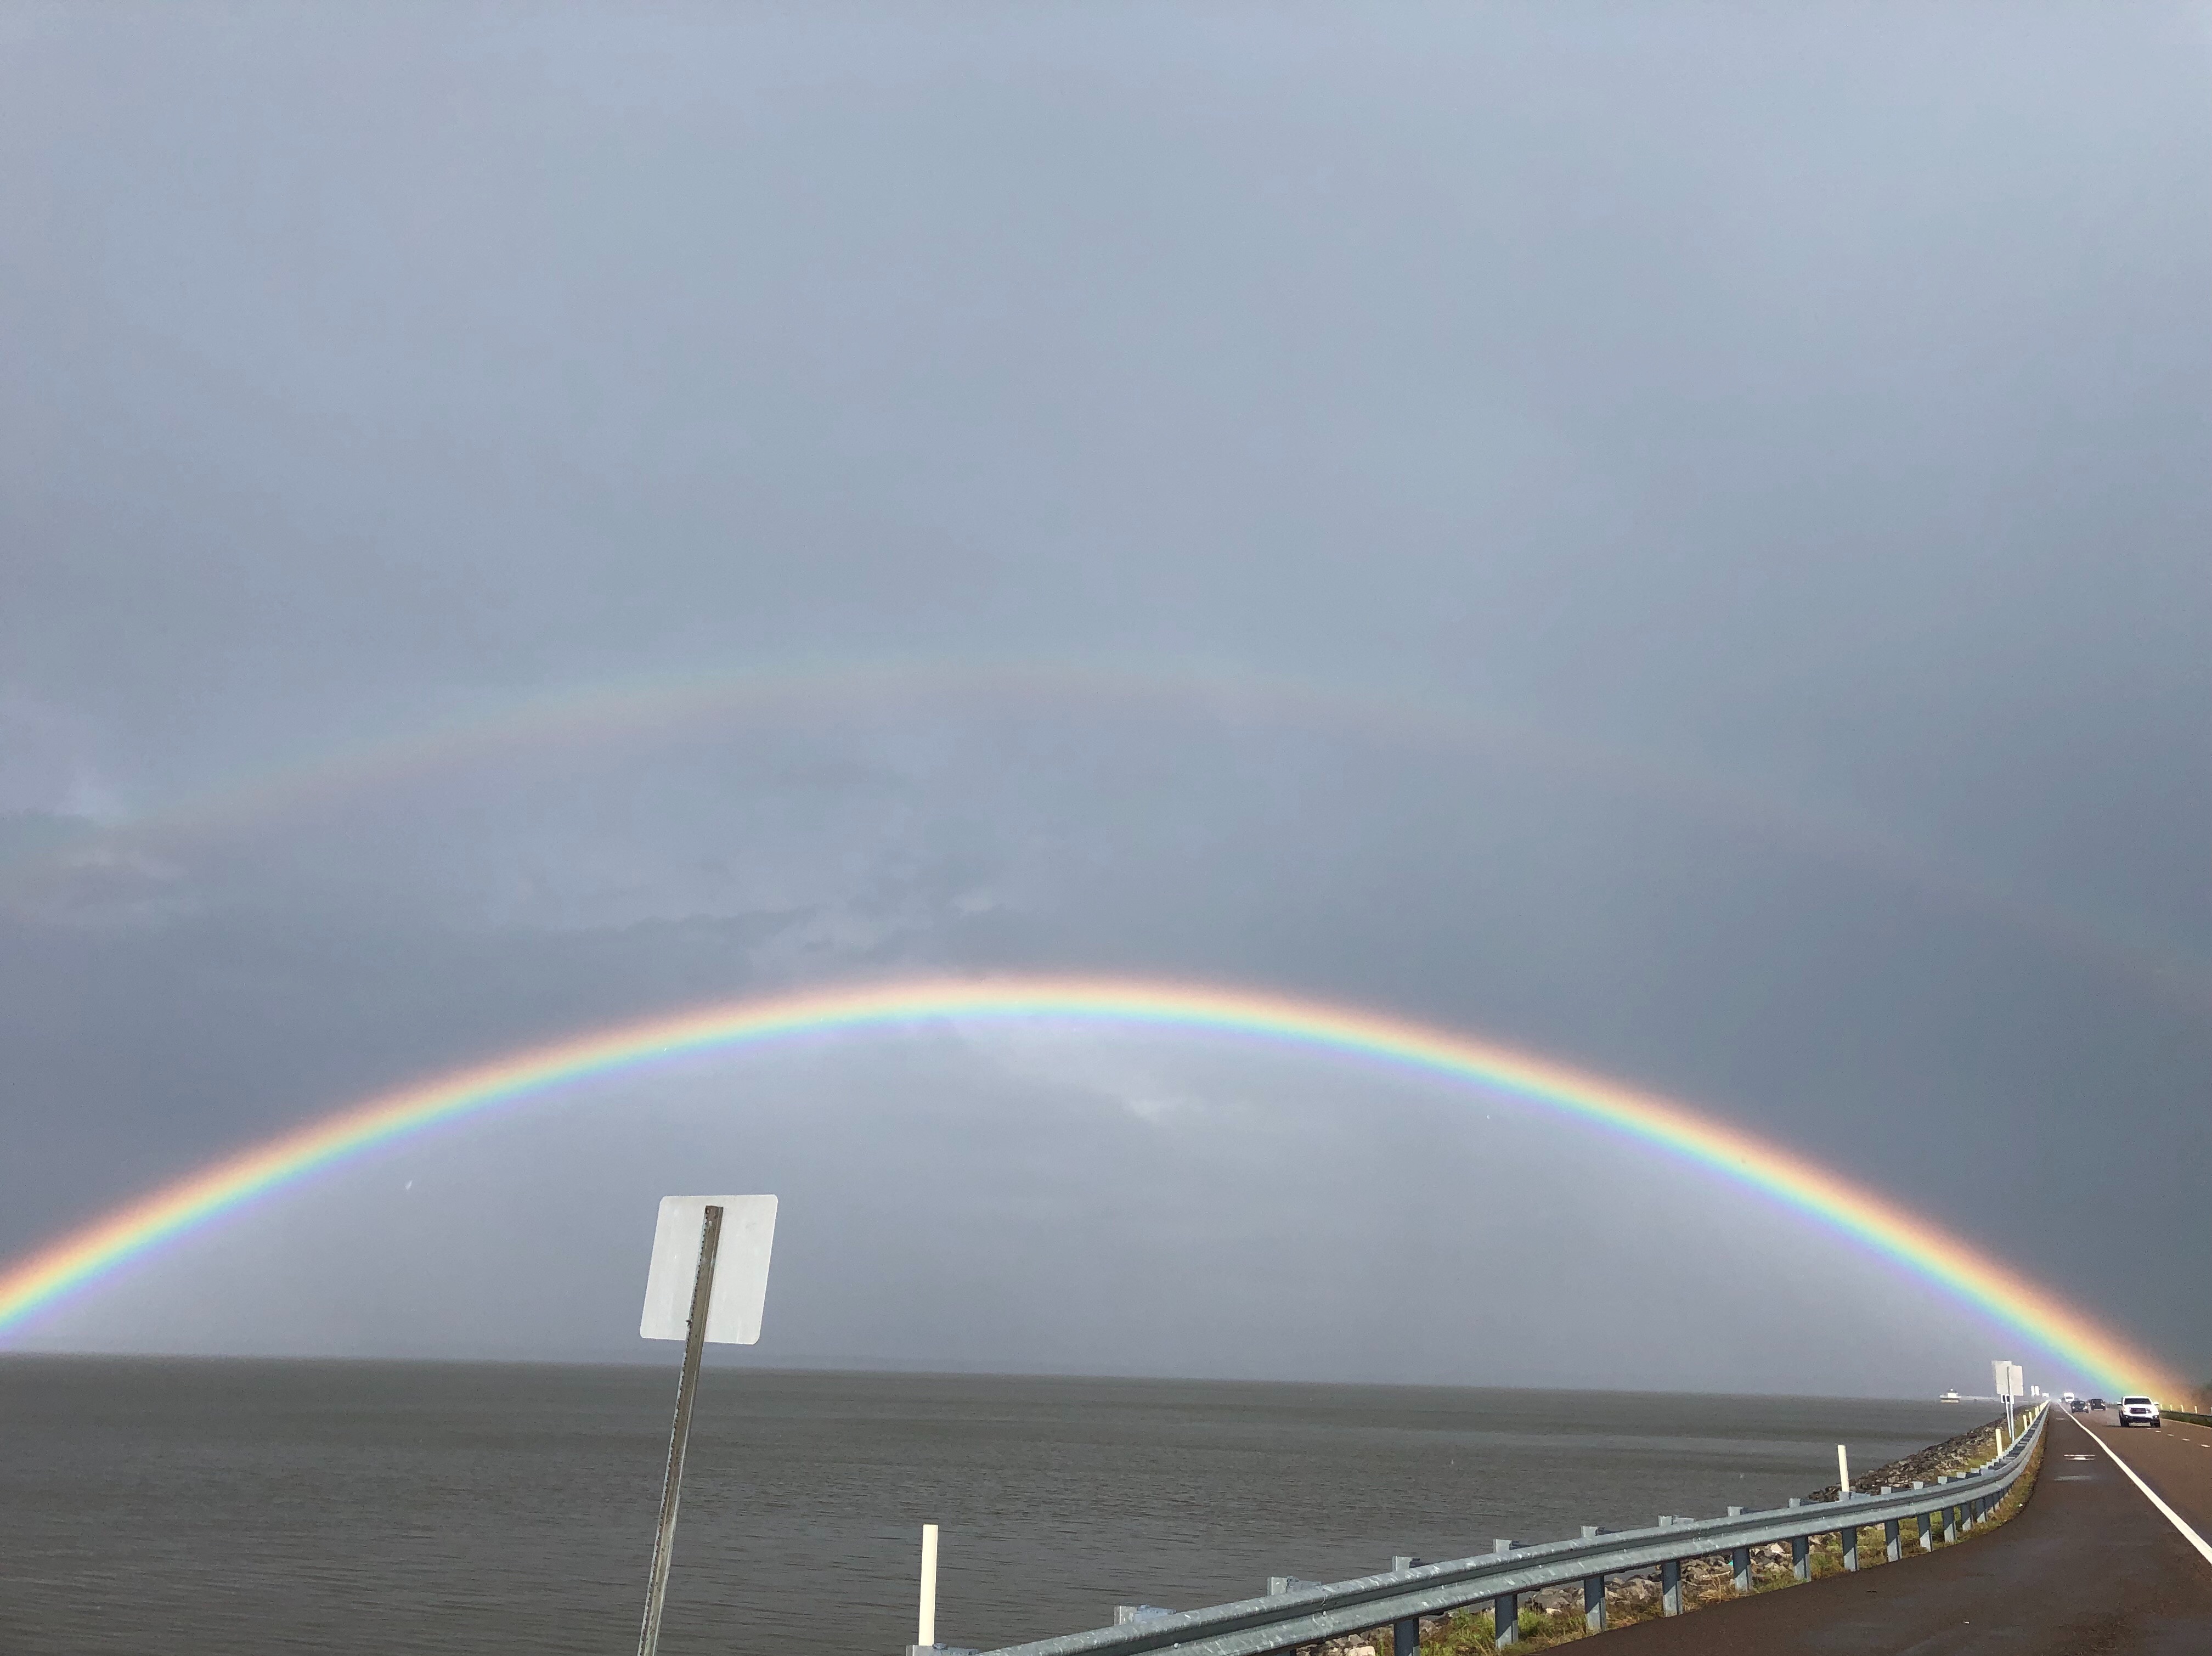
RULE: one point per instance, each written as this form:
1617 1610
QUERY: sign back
734 1315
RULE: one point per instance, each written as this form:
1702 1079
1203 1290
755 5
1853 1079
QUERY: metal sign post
680 1433
695 1236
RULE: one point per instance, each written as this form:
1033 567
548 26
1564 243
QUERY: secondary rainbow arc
620 710
78 1261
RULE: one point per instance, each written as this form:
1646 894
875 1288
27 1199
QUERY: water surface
194 1507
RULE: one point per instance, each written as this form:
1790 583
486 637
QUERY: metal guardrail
1303 1612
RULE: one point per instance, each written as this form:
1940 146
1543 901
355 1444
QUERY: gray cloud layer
1812 403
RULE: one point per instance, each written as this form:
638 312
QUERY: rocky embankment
1946 1459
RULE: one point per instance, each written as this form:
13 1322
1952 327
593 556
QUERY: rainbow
620 711
79 1261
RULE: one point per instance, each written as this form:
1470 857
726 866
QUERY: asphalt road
2175 1460
2089 1568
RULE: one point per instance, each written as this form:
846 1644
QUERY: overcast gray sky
1671 535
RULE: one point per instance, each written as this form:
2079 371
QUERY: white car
2139 1411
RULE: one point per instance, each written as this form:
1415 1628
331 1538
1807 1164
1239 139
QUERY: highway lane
2175 1460
2087 1568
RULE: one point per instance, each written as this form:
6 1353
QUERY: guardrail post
1848 1538
1670 1587
1505 1619
1505 1608
1801 1557
1406 1633
1742 1559
1593 1591
1950 1525
1892 1540
1923 1523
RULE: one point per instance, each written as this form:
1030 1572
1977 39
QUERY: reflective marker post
680 1433
925 1633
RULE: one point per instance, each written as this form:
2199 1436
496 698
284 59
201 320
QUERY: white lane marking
2151 1495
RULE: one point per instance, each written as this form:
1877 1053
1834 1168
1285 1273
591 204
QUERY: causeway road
2089 1567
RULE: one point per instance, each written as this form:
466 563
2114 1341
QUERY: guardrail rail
1306 1612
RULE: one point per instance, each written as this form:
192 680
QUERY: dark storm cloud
1815 400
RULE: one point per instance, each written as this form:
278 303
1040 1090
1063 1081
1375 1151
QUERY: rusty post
680 1433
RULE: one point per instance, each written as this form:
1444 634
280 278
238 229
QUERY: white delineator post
926 1624
1843 1474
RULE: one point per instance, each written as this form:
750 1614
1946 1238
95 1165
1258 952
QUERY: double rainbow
78 1261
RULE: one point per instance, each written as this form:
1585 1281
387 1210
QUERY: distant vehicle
2068 1398
2139 1411
2098 1402
2080 1406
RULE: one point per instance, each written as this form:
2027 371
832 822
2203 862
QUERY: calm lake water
189 1507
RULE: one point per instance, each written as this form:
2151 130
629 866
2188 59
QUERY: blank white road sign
734 1315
